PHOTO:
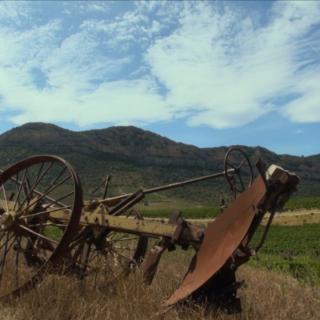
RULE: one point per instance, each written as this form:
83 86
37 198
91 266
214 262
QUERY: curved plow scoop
222 238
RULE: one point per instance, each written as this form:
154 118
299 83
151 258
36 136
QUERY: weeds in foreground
267 295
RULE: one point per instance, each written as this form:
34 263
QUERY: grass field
191 211
293 249
267 295
297 203
282 282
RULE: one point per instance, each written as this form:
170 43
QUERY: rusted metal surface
221 239
150 265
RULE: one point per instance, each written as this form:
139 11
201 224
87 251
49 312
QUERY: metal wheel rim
61 249
233 187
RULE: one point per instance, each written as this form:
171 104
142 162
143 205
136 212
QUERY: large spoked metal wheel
238 170
103 256
40 207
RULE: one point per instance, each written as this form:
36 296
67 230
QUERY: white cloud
160 61
113 102
13 11
97 6
228 68
78 80
25 49
306 107
85 7
125 30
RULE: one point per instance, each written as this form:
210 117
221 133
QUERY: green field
297 203
190 212
291 249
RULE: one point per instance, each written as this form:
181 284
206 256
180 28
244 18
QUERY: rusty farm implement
46 227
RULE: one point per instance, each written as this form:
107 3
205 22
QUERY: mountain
135 158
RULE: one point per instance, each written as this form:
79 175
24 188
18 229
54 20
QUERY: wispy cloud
230 69
80 80
11 10
155 61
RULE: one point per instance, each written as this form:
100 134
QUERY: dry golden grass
267 295
290 218
297 217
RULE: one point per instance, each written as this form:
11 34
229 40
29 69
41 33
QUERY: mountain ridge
44 125
136 157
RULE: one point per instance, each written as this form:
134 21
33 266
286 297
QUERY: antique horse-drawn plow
46 227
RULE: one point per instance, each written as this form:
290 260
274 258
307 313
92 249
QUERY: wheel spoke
24 188
34 189
49 190
125 239
19 187
43 212
233 166
59 199
5 197
237 182
37 234
241 182
39 176
242 163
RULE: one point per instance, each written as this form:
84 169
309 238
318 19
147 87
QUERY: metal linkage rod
185 182
170 186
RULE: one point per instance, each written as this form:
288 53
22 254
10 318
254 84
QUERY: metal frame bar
165 187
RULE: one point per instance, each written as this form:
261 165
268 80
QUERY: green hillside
135 158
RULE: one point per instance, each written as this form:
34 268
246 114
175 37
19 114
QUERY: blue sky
203 73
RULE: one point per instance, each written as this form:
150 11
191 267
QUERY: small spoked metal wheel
238 170
103 256
40 207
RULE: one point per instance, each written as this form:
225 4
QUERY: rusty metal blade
222 237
